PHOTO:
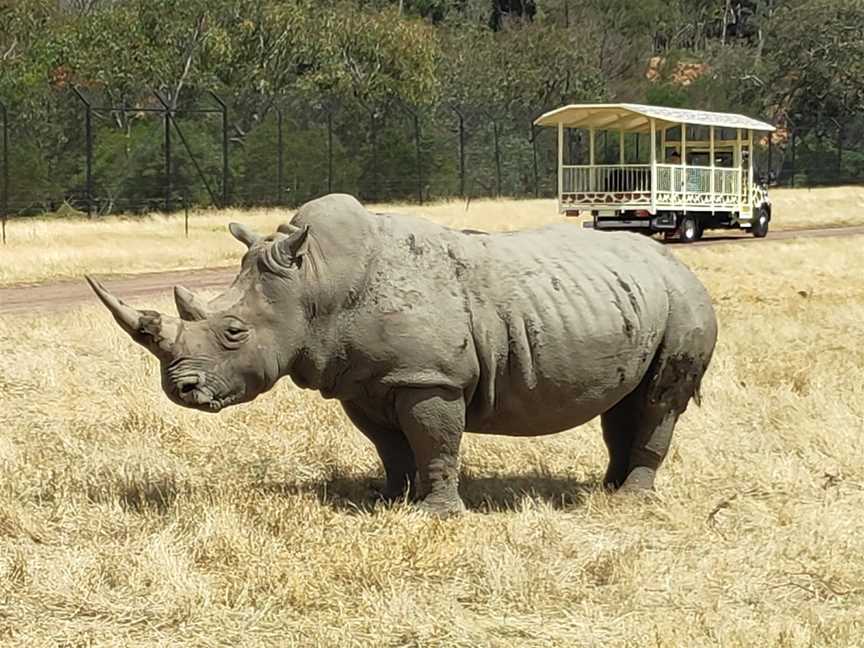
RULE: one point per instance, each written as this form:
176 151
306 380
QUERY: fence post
840 151
4 204
497 160
186 215
329 151
280 158
770 155
376 197
534 160
167 159
461 154
792 178
88 150
169 119
419 158
225 171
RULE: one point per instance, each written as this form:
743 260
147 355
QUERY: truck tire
689 229
759 229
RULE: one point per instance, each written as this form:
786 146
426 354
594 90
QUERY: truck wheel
689 229
760 225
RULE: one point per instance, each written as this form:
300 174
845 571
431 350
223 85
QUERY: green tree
379 60
816 66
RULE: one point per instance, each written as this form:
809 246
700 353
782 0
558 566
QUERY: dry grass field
51 248
127 521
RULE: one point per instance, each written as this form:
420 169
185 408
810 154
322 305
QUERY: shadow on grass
361 494
139 494
509 492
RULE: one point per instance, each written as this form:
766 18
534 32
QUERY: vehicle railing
675 185
726 181
672 178
607 178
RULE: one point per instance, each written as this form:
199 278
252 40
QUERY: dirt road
60 295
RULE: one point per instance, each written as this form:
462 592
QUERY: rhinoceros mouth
217 404
192 385
205 400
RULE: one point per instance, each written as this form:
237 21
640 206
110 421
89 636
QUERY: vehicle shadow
708 239
361 494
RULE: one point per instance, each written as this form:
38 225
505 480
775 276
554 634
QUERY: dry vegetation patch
42 249
125 520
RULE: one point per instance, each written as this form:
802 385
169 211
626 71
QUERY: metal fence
100 158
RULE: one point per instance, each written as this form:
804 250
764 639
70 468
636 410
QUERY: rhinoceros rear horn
145 327
243 234
294 246
191 307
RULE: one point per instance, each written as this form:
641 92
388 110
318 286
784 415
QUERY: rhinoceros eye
235 333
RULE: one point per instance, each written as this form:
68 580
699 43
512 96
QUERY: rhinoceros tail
676 378
697 390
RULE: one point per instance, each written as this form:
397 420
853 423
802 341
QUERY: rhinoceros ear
294 246
243 234
191 307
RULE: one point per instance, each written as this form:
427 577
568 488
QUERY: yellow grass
127 521
821 207
44 249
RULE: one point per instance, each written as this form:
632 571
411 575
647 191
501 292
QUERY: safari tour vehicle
655 169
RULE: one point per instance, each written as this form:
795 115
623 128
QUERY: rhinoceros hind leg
637 433
393 449
638 429
433 420
640 480
619 425
650 446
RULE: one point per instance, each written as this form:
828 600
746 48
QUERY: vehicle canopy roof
636 118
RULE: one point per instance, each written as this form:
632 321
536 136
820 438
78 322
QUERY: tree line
399 99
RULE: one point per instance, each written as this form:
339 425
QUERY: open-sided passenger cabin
656 169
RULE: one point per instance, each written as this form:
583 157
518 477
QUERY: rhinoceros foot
441 506
639 481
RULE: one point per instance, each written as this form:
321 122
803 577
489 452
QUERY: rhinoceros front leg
433 420
393 449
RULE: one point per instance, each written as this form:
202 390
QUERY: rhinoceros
423 332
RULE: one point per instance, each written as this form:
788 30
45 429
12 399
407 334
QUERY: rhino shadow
501 493
510 492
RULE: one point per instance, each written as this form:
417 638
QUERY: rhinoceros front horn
191 307
147 328
127 317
